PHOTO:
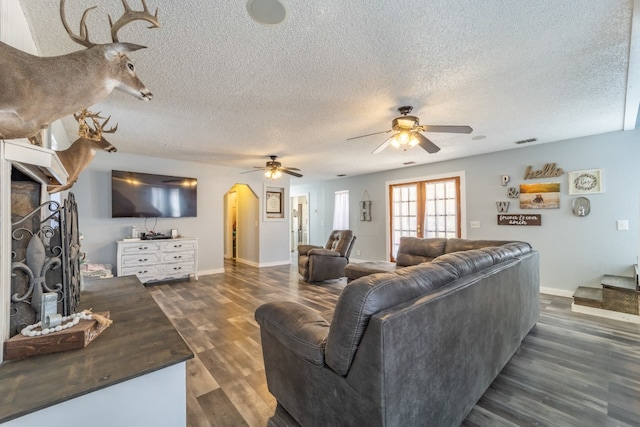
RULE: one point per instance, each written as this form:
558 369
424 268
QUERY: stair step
619 281
590 297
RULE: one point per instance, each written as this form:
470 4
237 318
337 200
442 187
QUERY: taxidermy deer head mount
35 91
82 151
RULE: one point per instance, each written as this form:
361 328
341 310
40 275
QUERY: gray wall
100 231
574 250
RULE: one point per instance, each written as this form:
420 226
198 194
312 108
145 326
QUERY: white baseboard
557 292
212 271
263 264
275 263
608 314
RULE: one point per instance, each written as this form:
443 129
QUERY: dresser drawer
182 245
140 247
178 256
178 269
141 259
144 273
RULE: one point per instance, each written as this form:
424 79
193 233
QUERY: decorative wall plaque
549 170
520 219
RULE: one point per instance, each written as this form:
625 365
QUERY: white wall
574 251
100 231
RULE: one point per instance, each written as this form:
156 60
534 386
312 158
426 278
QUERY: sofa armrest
323 252
297 327
304 249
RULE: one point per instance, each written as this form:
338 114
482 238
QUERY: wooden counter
141 341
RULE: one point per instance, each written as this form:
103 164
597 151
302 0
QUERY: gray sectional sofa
414 347
414 251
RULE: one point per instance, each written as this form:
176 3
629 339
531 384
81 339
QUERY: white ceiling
230 91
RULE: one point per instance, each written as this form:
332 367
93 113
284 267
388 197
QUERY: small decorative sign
549 170
520 219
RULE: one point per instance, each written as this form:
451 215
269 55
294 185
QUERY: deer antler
95 133
130 16
83 38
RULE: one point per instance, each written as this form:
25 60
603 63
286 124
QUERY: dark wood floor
571 370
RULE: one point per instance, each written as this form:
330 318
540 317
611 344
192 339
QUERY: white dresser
155 260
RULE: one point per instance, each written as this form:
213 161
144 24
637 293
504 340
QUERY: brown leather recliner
317 263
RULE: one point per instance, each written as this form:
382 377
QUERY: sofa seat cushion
356 270
371 294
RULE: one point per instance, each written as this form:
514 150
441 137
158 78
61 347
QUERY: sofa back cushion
456 245
467 262
340 241
368 295
414 251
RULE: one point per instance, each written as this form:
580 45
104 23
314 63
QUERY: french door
424 209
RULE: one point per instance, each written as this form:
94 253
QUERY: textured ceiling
230 91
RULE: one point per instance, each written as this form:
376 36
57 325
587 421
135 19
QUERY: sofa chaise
414 347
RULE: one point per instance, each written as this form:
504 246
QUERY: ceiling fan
274 169
408 134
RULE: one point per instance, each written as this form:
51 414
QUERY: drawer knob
177 246
143 259
142 272
177 257
177 268
143 247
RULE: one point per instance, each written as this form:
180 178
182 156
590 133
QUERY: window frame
462 216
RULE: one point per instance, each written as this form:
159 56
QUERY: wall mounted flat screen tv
143 195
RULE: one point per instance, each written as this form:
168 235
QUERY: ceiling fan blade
291 169
290 172
426 145
369 134
250 171
382 146
446 129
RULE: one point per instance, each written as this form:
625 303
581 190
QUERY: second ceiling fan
408 134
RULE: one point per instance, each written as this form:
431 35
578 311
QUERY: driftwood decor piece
82 151
35 91
76 337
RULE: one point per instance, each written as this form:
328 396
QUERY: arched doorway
241 218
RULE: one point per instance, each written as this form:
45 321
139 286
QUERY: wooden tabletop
140 340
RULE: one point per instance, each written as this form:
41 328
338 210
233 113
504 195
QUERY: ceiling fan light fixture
413 140
273 174
404 122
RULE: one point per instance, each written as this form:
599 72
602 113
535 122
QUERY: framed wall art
585 181
540 196
274 198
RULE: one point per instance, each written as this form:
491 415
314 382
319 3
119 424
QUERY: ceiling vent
526 141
